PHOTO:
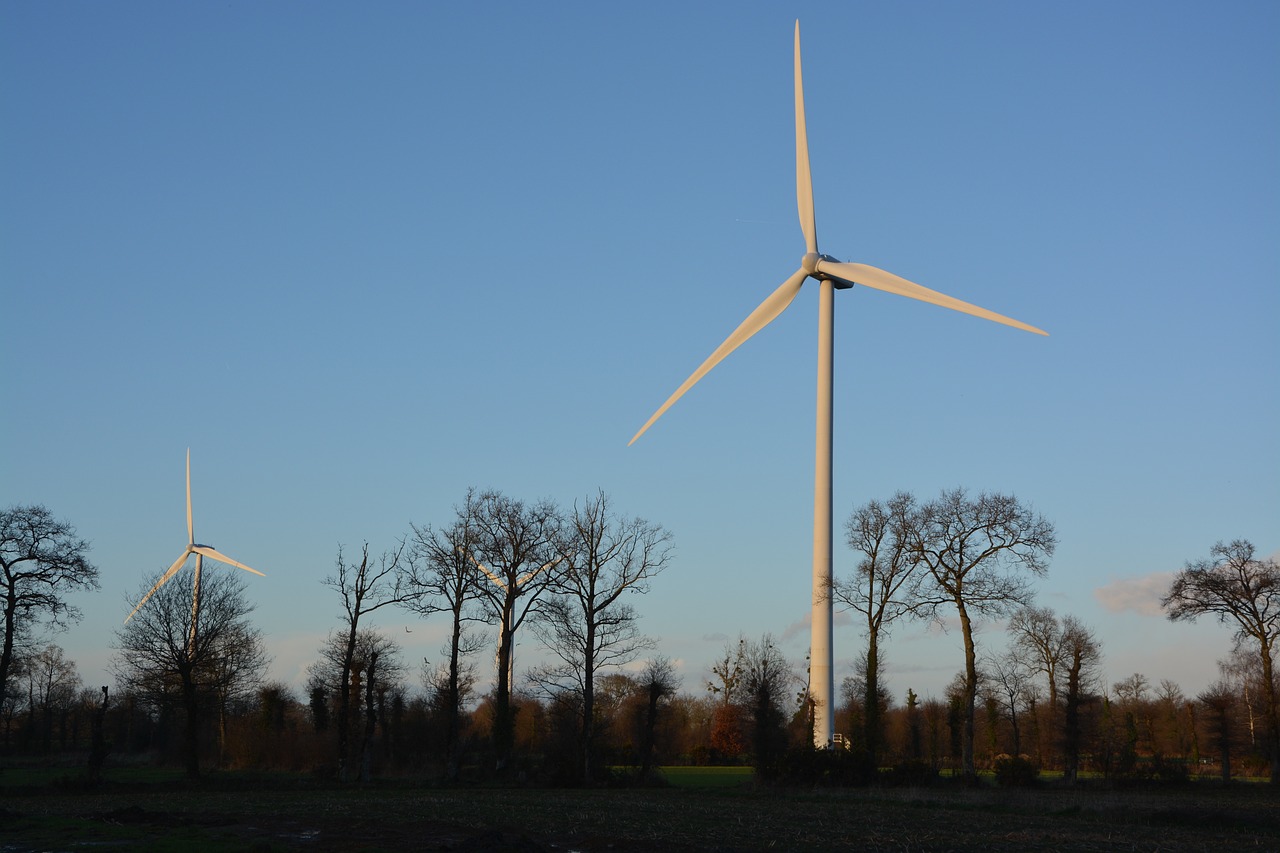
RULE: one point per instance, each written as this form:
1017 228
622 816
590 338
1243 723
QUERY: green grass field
707 777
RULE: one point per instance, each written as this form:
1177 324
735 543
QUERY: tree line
565 575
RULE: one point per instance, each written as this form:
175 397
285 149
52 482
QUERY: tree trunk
222 730
650 729
871 700
970 694
98 750
10 628
46 726
452 701
370 721
1195 735
913 726
503 718
191 703
1273 714
1224 741
1071 725
1035 724
344 702
588 704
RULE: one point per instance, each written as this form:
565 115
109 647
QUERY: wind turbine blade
804 179
530 575
764 314
223 558
499 581
191 531
888 282
164 578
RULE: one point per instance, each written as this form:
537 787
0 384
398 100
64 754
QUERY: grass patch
25 777
120 830
707 777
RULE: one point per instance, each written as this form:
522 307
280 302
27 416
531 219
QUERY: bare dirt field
229 814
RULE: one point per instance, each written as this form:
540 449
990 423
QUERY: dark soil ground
229 814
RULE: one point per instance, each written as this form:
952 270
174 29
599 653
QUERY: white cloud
1141 595
293 653
803 626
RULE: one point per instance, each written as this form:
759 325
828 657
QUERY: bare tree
97 737
1081 656
440 576
586 624
976 552
1219 700
1174 732
658 682
863 703
729 670
42 560
363 669
160 660
1237 587
1008 678
448 693
52 688
516 550
364 589
728 719
1138 717
767 681
235 676
1037 637
879 590
1243 668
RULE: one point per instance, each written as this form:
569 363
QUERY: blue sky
359 258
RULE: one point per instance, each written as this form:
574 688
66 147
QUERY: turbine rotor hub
809 263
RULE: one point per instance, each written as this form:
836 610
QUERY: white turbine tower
831 275
201 551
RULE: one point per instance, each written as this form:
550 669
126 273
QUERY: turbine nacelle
812 262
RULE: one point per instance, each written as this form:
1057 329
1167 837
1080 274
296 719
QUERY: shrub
1015 772
808 767
1169 770
909 774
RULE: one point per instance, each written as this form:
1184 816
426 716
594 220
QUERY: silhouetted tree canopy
1243 592
42 560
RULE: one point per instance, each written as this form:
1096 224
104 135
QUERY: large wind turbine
201 551
831 275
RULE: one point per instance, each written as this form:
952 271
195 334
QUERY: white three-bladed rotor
831 275
819 267
200 551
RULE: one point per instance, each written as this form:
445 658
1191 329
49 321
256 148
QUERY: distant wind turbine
831 275
201 551
506 613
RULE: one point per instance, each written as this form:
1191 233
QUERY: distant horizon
1138 596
